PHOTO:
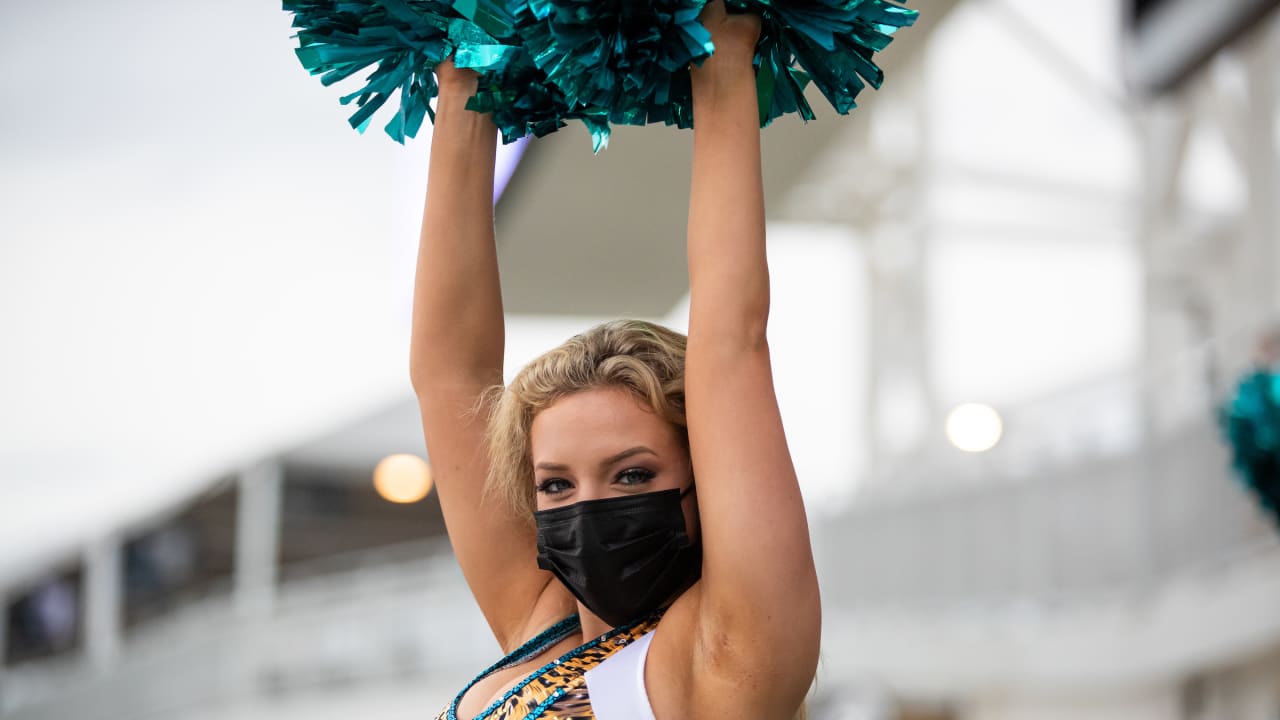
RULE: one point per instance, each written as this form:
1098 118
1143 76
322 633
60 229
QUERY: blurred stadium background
1011 292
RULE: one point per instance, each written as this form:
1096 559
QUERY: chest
539 682
492 688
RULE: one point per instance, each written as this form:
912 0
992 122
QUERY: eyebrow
611 460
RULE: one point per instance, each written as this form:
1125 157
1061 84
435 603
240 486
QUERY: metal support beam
257 538
1262 168
4 636
1166 129
901 398
103 600
888 207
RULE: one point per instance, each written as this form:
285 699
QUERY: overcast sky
201 263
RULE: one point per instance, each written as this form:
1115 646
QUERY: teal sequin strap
533 648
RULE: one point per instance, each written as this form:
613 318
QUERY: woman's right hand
734 34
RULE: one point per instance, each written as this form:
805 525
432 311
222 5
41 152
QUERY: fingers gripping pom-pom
403 40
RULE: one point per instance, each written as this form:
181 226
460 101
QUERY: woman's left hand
734 34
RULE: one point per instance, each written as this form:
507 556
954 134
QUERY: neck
592 626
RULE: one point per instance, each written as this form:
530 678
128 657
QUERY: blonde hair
639 356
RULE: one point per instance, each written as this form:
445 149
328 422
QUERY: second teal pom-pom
1251 423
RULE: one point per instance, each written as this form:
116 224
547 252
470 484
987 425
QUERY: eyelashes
630 477
553 486
635 476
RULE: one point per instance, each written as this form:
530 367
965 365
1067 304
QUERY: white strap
616 686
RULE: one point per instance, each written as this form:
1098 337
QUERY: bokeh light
974 427
402 478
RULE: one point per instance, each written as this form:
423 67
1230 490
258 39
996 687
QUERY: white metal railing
1122 414
1104 487
1083 530
401 613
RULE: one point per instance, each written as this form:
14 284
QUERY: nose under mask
621 557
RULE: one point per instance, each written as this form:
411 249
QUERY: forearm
728 274
457 305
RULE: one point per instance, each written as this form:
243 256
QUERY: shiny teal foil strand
402 40
627 58
522 101
514 89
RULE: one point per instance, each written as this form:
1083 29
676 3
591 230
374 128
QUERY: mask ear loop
693 487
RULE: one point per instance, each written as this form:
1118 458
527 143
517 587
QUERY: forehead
596 422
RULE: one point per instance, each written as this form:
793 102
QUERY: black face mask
622 557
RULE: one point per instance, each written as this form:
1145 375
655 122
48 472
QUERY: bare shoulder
671 654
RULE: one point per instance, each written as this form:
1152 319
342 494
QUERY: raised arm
759 608
456 354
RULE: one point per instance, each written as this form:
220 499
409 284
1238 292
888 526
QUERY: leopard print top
557 690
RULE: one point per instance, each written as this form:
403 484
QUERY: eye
635 476
553 486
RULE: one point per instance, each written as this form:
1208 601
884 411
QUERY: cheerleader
625 512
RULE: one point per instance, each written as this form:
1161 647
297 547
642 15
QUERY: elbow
730 312
433 380
423 370
737 332
438 359
418 378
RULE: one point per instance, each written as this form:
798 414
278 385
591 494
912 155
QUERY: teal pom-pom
522 102
833 42
1251 424
543 63
628 59
403 40
512 88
